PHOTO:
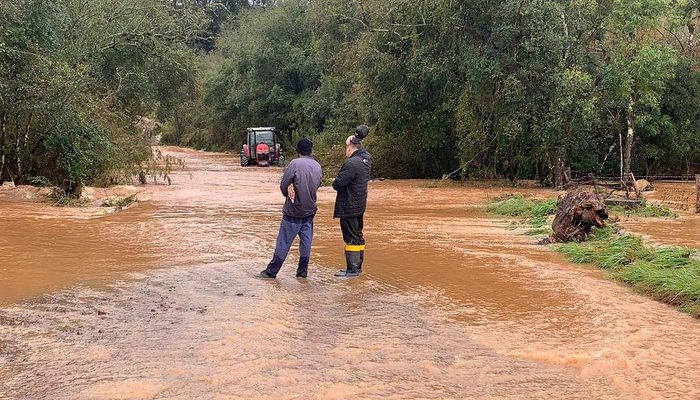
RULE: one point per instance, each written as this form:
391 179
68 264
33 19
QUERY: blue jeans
289 229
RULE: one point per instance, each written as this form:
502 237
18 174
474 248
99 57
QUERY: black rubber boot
272 268
264 275
353 261
303 268
362 259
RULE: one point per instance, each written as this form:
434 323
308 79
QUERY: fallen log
627 204
643 185
577 213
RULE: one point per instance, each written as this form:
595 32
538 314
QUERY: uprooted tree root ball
577 213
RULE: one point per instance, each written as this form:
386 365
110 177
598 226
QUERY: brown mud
158 302
681 231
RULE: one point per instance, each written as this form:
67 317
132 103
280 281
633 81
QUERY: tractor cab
262 148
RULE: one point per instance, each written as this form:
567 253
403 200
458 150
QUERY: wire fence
680 192
650 178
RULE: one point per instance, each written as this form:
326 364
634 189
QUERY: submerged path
158 302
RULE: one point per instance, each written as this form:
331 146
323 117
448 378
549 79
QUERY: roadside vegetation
119 202
489 89
469 89
668 274
76 75
645 210
533 213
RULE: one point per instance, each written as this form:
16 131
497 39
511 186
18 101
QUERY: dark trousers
354 243
289 229
352 230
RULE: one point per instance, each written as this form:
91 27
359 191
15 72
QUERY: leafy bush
75 151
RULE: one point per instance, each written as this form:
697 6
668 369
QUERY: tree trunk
697 193
3 124
619 134
627 162
18 157
691 36
25 140
18 160
567 48
559 170
178 130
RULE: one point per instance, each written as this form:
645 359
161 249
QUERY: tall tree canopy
486 88
74 76
516 89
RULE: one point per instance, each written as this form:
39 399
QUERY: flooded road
682 231
158 302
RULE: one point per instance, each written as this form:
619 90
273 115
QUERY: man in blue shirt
299 185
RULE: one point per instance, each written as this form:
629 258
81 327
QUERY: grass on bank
668 274
532 212
645 210
536 213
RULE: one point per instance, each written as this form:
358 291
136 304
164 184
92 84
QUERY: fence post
697 193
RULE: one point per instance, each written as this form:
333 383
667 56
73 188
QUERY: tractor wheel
244 160
280 161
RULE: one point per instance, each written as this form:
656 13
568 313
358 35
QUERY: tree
637 67
497 89
74 74
269 75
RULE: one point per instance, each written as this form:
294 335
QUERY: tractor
262 148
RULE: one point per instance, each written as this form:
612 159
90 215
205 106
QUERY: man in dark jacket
351 200
299 184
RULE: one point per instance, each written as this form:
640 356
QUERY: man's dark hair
305 147
361 131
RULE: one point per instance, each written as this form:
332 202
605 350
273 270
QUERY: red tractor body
262 148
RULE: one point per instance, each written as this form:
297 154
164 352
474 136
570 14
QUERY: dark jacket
305 174
351 185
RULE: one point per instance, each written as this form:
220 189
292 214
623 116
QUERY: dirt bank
453 305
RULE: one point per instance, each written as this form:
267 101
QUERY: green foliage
541 231
119 202
487 89
533 211
490 89
513 206
329 150
60 198
268 77
670 274
645 210
75 76
76 151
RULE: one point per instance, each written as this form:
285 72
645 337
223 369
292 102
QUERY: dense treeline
74 77
487 88
515 89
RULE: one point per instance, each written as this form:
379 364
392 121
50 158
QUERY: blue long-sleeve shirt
305 174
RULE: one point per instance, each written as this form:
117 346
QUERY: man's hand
290 193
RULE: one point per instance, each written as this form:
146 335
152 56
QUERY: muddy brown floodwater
682 231
158 302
